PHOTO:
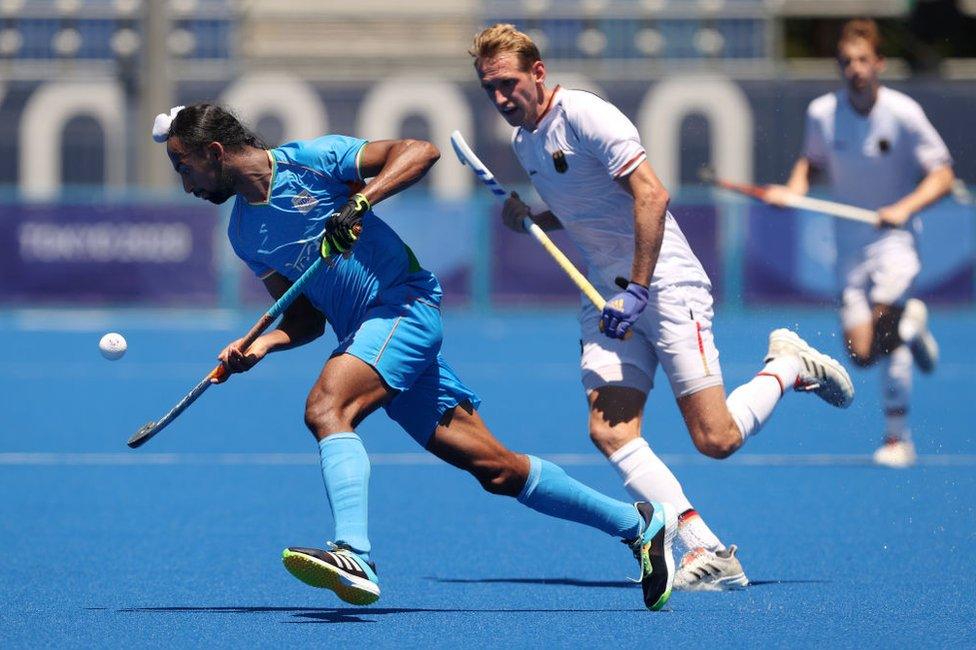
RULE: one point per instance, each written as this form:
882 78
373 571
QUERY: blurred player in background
585 159
878 151
304 199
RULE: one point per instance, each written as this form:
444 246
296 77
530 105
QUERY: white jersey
872 160
581 145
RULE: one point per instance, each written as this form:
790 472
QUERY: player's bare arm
798 184
650 207
650 210
300 324
936 184
394 165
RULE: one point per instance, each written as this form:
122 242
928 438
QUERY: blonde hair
501 38
861 28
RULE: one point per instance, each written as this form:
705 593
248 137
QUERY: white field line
419 459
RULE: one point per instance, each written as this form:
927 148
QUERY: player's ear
215 151
538 70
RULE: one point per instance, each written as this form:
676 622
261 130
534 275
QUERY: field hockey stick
467 157
799 201
153 427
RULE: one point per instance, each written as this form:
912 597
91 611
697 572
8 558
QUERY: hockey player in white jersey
878 151
586 161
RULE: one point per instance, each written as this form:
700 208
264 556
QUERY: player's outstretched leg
549 490
914 331
818 373
463 440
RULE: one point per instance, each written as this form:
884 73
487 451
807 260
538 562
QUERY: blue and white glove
622 311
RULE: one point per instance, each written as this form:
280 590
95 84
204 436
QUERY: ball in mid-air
113 346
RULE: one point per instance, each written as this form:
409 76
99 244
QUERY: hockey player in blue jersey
307 199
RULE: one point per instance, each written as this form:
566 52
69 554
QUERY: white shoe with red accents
704 570
895 452
819 373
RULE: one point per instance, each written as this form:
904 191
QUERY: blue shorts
402 343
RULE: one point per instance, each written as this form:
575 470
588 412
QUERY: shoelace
635 548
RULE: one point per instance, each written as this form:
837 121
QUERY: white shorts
875 276
674 330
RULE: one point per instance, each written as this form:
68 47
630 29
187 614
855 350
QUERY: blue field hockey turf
178 543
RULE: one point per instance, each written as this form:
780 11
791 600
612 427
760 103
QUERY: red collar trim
552 98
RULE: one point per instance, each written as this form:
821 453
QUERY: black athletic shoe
652 548
339 569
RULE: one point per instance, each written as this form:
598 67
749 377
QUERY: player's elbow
946 177
657 199
661 195
426 152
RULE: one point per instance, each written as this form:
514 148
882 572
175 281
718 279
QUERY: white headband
160 131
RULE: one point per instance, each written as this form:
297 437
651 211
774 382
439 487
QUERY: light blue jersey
384 308
310 179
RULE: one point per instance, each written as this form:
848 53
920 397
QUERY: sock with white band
752 403
694 533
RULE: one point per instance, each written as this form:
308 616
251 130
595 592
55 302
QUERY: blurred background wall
91 213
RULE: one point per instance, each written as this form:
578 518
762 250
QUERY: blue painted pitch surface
178 543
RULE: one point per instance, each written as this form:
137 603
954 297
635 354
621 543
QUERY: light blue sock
552 492
345 468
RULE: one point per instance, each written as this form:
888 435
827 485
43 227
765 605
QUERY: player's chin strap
160 130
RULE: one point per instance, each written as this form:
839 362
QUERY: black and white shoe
652 550
339 569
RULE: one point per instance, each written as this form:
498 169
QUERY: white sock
693 532
646 477
752 403
897 386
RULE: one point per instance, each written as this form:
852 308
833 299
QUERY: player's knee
500 476
861 358
324 414
602 436
717 441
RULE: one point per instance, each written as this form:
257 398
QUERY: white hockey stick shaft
840 210
468 157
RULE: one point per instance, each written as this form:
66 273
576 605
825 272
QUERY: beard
224 188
